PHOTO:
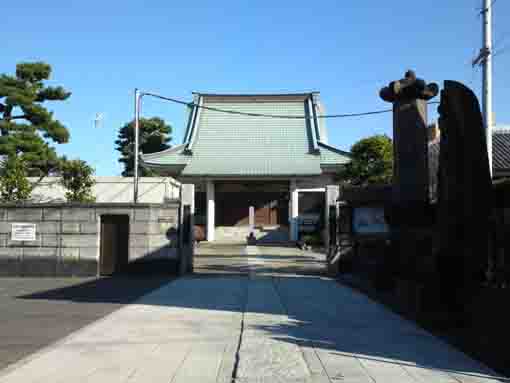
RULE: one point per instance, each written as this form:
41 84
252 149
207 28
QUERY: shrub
14 184
76 178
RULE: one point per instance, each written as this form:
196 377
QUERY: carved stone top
409 88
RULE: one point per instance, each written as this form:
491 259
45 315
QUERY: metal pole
137 118
487 76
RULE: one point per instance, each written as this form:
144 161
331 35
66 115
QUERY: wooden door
262 216
114 243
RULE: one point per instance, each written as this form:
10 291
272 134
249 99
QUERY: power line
249 114
500 51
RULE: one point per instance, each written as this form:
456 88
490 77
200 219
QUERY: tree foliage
14 184
372 162
154 137
26 126
77 179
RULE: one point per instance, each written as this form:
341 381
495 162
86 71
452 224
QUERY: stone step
240 234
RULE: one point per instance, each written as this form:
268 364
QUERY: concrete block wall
68 237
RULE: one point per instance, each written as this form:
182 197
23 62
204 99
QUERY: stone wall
68 237
110 189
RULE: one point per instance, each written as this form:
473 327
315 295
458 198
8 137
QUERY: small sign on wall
23 231
369 220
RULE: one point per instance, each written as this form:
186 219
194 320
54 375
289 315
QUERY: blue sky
347 50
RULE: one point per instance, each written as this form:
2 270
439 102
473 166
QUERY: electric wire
250 114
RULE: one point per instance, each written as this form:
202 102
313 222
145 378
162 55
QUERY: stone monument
464 196
409 214
409 97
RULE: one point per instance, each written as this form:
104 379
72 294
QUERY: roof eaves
191 118
311 120
314 97
242 175
336 150
151 156
195 125
175 169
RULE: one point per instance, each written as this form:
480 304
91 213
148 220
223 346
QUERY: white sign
369 220
23 232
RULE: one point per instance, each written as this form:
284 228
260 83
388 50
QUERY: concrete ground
250 315
36 312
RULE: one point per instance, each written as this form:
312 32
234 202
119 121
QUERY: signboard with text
23 231
369 220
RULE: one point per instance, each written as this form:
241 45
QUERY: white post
251 219
210 211
136 133
294 211
487 76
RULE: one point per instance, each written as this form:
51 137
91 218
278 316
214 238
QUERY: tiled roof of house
221 144
501 148
500 156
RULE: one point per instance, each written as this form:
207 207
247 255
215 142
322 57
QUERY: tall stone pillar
410 152
410 214
210 210
409 97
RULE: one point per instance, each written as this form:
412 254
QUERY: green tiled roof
332 156
238 145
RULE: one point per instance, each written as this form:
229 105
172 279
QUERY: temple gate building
282 169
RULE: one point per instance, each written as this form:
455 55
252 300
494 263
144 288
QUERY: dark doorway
232 209
114 244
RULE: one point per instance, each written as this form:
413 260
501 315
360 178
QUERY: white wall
112 189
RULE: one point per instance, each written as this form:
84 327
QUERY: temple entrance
270 202
232 209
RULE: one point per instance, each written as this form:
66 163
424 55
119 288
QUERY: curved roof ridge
339 151
166 151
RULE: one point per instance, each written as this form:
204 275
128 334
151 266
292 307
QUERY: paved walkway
37 312
259 327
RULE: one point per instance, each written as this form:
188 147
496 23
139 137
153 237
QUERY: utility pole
138 97
485 60
487 76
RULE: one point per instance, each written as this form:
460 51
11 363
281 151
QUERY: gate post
332 194
187 234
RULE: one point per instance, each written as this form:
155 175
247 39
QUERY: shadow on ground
119 289
36 312
319 313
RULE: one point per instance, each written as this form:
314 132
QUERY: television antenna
98 120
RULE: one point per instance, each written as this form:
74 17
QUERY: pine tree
154 137
27 128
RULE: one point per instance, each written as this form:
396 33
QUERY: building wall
68 237
112 189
